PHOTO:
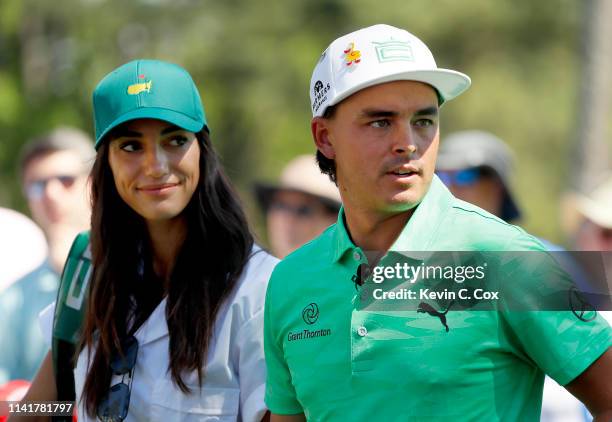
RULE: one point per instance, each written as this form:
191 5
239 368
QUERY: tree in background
252 60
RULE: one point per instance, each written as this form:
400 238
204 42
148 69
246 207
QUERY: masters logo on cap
375 55
147 89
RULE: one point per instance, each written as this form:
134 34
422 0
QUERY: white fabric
234 383
22 246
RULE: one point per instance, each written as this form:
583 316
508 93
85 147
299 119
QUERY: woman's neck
166 239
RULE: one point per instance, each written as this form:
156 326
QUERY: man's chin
406 200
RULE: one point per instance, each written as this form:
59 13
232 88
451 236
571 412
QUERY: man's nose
405 141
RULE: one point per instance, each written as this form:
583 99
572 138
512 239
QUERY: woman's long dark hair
216 249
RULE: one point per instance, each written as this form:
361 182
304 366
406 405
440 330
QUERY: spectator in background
22 246
594 231
588 219
297 209
476 166
54 173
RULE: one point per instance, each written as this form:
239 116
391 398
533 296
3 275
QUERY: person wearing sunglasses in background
53 170
173 324
298 208
476 167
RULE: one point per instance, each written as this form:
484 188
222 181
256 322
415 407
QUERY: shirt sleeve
542 325
252 369
280 393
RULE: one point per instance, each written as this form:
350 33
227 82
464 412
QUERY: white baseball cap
375 55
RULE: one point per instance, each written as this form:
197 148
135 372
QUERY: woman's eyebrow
125 133
170 129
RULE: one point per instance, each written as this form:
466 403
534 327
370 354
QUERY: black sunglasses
114 406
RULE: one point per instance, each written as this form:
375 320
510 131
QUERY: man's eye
424 122
178 141
380 123
130 146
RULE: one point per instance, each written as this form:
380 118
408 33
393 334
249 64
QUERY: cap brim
448 83
595 212
170 116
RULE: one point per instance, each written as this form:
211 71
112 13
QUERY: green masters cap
147 89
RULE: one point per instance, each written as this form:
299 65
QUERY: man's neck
375 232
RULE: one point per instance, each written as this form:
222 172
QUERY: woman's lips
158 189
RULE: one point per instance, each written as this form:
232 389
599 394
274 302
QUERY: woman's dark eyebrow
170 129
125 133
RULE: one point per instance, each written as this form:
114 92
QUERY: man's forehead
395 96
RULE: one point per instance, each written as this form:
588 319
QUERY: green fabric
147 89
489 366
71 296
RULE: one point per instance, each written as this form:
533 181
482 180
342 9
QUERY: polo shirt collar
418 234
342 240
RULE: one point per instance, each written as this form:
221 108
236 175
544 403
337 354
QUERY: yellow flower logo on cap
351 55
136 89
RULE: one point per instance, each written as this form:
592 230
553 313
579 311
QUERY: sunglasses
36 188
301 211
114 406
465 177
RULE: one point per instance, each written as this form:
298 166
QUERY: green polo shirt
332 359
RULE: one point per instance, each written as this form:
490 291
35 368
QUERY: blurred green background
252 61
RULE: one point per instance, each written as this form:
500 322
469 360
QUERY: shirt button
362 331
356 256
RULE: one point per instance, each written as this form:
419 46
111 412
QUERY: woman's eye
178 141
380 123
130 146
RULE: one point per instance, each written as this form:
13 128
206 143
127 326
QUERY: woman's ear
322 137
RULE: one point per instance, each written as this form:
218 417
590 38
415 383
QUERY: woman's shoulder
250 290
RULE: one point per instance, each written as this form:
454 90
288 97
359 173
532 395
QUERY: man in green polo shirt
375 97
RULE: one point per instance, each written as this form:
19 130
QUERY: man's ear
322 139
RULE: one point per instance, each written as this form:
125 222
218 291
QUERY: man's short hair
60 139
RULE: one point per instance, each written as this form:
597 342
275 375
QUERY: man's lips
404 170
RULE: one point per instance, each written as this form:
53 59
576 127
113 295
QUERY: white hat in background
301 174
597 206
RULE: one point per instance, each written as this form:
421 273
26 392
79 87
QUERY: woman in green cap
172 324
